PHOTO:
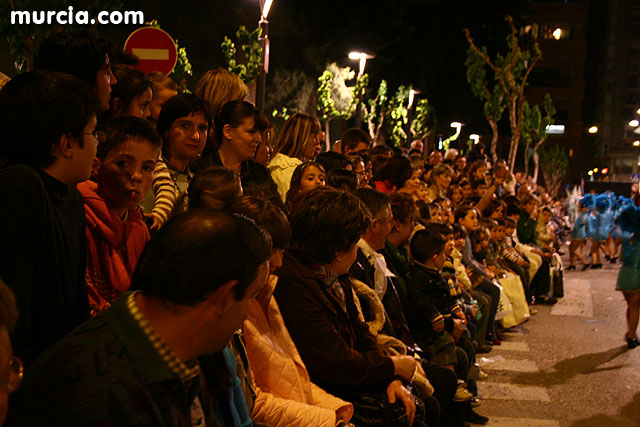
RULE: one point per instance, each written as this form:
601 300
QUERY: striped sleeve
165 192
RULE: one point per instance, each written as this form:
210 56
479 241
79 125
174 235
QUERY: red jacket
113 247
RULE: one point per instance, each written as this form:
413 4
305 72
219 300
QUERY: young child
164 88
305 178
131 95
116 232
512 257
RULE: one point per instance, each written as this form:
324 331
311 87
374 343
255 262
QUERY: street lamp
475 138
593 129
362 57
634 123
265 6
636 143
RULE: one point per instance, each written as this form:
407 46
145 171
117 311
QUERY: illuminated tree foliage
510 72
534 131
250 46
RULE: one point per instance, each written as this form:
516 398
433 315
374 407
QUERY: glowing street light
638 111
590 173
593 129
362 57
412 94
595 170
261 81
636 143
457 126
604 171
265 7
634 123
557 33
475 138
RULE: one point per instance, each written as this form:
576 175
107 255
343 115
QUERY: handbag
558 284
374 409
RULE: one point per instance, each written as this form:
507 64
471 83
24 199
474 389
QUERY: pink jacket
285 395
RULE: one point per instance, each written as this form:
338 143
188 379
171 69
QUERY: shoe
596 266
473 417
533 311
614 260
571 267
586 267
495 341
475 402
631 342
546 300
462 394
483 349
607 257
475 373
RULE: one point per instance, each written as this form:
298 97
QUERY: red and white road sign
154 47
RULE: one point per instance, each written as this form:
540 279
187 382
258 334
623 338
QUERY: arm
165 193
469 261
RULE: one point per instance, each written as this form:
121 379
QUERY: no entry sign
154 47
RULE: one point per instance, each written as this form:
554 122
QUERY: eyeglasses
12 379
99 135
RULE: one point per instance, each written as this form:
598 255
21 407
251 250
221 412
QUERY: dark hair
8 308
296 177
233 113
492 206
381 149
397 171
326 221
509 223
458 231
178 106
197 252
352 137
78 53
415 151
462 212
121 129
473 167
213 188
331 160
463 182
423 209
375 201
268 216
37 109
444 229
528 198
501 222
425 244
403 206
487 223
131 84
477 183
342 179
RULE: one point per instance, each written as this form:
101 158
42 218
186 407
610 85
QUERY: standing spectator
355 141
155 356
164 88
42 229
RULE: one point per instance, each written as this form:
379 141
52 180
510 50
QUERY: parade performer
629 275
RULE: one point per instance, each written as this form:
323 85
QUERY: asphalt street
568 365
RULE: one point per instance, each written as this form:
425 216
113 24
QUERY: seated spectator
265 151
306 177
11 368
132 94
354 141
360 169
116 232
42 230
393 175
183 124
284 394
318 308
155 356
164 88
331 160
82 55
440 180
214 188
299 140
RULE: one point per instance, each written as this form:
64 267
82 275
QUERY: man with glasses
48 145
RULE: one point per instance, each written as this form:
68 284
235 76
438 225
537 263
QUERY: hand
156 224
474 311
458 329
490 275
395 391
404 366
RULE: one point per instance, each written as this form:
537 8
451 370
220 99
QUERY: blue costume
579 231
629 276
605 218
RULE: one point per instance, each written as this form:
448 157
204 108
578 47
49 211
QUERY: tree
375 111
554 161
510 74
534 131
335 100
22 38
250 46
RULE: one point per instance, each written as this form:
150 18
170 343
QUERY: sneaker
475 373
472 417
483 349
462 394
533 311
475 402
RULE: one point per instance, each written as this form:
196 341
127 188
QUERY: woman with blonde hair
299 140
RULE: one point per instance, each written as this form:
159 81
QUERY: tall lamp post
265 5
362 57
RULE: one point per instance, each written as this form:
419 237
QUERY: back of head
332 160
214 188
375 201
266 215
397 171
78 53
121 129
326 221
425 244
197 252
220 86
181 105
352 137
295 134
37 108
160 81
403 207
342 179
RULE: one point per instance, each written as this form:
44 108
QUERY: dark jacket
430 294
42 257
339 351
526 229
